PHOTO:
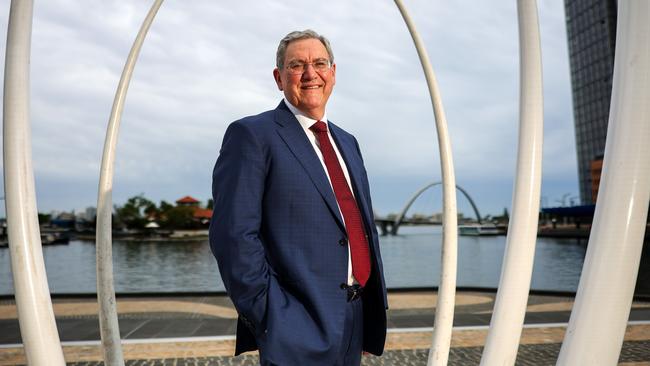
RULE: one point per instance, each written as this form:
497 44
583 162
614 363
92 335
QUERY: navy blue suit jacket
280 241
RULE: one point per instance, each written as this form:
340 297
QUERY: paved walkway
198 330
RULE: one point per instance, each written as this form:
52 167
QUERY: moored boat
478 230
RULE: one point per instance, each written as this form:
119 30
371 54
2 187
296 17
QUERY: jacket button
343 242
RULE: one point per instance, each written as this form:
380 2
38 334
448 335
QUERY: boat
47 238
54 237
478 230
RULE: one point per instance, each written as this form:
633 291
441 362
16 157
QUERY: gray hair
296 36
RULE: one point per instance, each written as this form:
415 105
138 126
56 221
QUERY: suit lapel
348 150
294 136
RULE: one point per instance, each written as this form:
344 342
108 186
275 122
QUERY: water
411 259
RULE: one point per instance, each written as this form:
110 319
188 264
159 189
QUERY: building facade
591 33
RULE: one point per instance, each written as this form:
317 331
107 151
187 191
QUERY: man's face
309 90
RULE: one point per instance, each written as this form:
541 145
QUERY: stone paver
8 311
633 353
537 345
156 318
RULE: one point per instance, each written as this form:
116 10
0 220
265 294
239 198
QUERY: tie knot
319 126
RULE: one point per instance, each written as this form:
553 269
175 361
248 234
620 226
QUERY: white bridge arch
400 217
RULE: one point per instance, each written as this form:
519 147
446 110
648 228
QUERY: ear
278 78
333 68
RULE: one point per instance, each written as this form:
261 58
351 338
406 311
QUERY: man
292 229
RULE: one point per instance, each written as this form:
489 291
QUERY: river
411 259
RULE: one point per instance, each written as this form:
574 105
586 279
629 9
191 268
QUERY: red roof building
202 213
187 201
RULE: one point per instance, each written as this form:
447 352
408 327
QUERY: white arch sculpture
36 316
602 306
108 322
512 295
441 341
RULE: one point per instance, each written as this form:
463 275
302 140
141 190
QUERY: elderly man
292 230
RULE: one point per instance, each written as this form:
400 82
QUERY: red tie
347 205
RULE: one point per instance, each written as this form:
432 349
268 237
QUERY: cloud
205 64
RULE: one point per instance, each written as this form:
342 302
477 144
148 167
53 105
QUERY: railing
606 287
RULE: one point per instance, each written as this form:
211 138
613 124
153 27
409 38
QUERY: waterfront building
596 169
91 213
591 33
188 201
201 216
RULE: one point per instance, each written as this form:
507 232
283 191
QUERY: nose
309 72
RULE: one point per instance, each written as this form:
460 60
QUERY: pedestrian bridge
391 226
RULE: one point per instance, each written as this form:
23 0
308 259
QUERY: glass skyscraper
591 33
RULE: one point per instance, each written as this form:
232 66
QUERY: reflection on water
413 259
410 260
137 267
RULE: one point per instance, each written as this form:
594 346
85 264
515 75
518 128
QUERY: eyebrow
314 60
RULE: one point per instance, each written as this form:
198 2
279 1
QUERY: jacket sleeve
238 189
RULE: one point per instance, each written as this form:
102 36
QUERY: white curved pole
35 315
441 341
602 306
108 323
512 296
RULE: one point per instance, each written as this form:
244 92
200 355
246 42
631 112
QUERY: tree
165 206
151 210
175 217
135 211
179 217
44 219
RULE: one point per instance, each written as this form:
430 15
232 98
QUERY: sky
205 64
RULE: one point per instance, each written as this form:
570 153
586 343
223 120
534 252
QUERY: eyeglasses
299 67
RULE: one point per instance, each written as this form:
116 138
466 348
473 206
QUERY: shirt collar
304 121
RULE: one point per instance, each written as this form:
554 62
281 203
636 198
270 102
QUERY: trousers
352 343
352 340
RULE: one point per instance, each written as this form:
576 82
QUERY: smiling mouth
311 87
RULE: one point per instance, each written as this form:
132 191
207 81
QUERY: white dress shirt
305 123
